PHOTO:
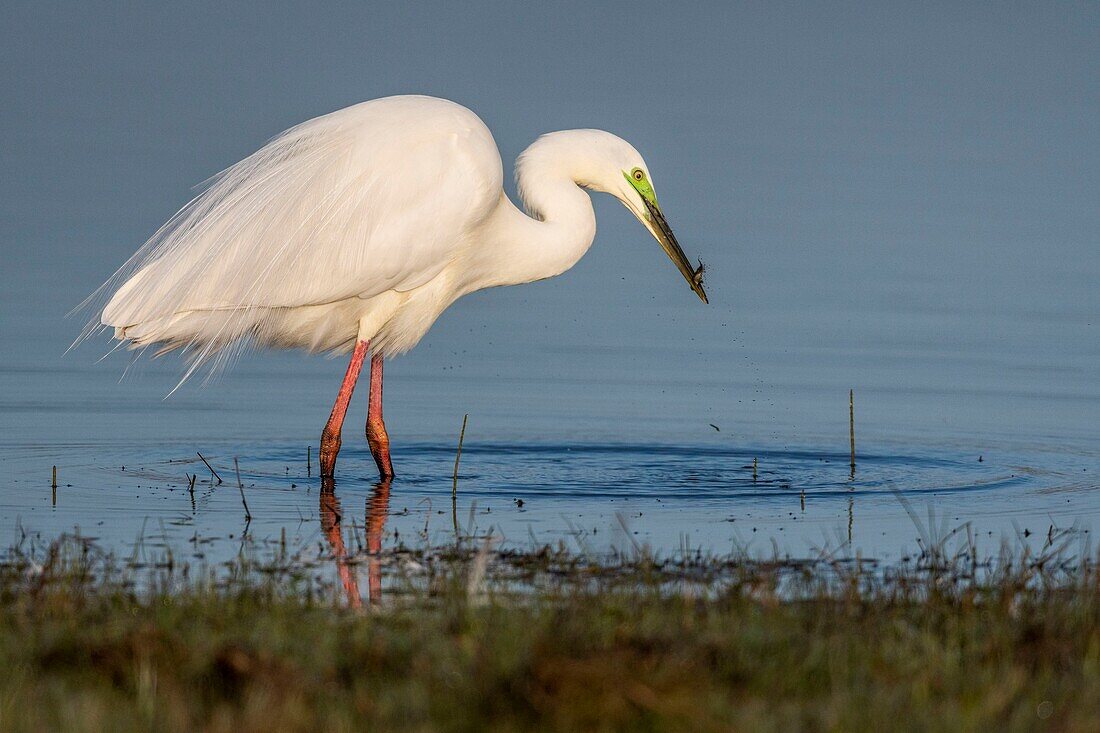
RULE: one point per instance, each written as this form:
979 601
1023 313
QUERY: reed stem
240 487
219 478
852 430
454 477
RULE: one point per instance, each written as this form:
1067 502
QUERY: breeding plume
354 231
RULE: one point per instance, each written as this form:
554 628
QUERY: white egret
355 230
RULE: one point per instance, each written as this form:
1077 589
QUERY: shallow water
592 496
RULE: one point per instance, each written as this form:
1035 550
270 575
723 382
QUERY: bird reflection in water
331 515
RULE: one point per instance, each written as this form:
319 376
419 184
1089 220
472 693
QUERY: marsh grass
475 638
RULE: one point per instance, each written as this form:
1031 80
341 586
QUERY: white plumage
364 224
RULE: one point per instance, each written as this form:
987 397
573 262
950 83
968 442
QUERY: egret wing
371 198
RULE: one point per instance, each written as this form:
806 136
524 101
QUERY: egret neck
551 176
555 233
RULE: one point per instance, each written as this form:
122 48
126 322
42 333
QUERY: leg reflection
331 516
378 508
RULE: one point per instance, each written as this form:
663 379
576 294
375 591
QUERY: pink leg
377 438
330 436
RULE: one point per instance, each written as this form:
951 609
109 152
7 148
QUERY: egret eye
638 175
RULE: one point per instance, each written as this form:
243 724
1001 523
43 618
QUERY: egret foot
379 443
377 438
330 436
330 446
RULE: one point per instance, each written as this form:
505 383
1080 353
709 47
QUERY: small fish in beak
697 278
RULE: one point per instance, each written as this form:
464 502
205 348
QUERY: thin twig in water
240 486
458 456
191 489
427 515
219 478
454 478
852 429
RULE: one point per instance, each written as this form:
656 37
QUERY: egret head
600 161
625 176
640 198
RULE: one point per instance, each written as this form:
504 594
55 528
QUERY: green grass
549 641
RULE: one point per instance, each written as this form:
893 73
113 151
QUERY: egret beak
658 225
